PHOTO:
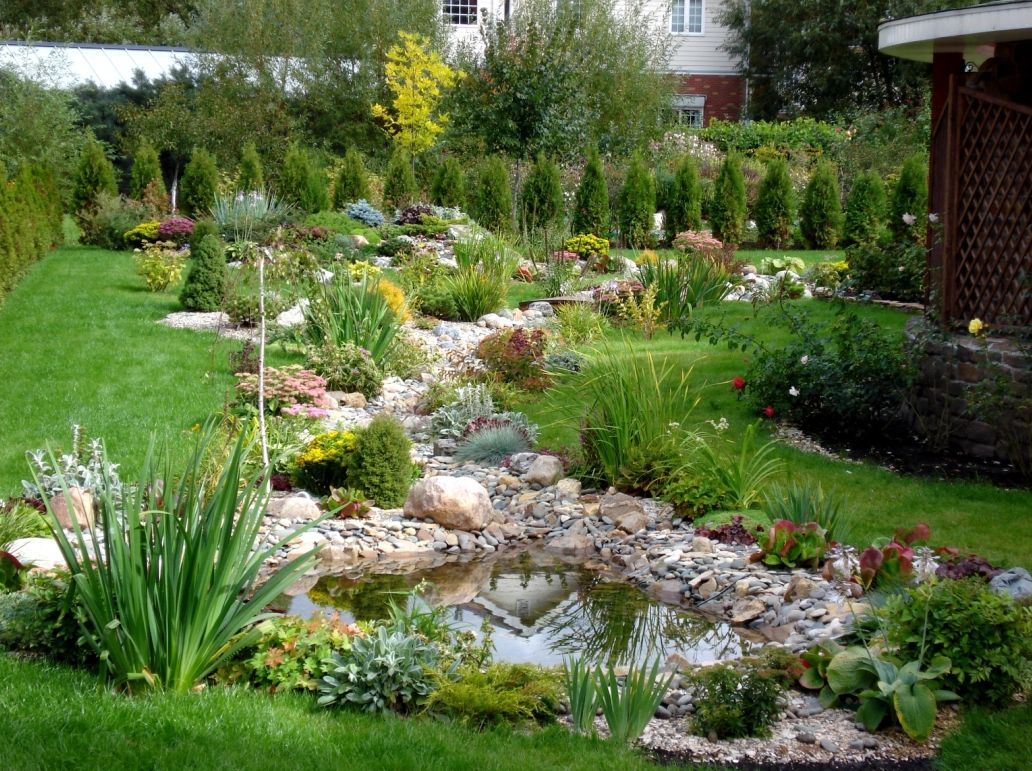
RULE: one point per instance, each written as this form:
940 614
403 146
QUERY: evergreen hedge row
30 222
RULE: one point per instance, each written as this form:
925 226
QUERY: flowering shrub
323 463
346 368
290 391
517 357
159 264
145 231
395 297
366 213
361 270
176 229
586 246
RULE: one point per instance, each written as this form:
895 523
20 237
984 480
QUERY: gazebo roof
969 31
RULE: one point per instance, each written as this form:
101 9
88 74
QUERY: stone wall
973 394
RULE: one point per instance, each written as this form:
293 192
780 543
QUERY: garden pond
539 609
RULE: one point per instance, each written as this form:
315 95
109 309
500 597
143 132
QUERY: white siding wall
690 55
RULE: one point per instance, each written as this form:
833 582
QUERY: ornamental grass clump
629 706
174 593
343 312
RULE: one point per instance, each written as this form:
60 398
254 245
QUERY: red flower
768 411
738 383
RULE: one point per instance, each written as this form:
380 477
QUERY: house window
686 17
460 11
689 110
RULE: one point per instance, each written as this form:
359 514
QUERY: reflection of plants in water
614 624
368 598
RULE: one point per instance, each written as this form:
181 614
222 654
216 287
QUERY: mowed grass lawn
79 344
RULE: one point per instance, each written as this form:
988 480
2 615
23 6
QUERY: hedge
30 222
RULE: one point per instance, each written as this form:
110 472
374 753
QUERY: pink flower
768 411
738 383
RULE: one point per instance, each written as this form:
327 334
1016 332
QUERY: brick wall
725 94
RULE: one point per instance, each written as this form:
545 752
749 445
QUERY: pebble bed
630 537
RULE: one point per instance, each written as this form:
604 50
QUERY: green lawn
53 717
993 521
79 344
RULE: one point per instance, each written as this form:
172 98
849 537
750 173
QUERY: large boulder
77 503
546 470
459 503
1016 582
300 506
624 511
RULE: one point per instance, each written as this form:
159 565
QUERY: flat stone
668 590
746 610
37 552
805 737
572 544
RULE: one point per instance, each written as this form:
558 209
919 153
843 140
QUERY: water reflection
540 609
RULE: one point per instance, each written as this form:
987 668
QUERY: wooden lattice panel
991 256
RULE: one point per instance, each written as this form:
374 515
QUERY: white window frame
686 15
450 9
686 105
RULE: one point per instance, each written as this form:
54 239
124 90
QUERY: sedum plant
175 592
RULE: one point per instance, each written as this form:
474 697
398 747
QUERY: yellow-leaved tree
417 77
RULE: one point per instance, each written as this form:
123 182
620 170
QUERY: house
710 84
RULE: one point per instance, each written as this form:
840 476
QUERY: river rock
459 503
668 590
299 507
1016 582
81 503
546 470
624 511
572 544
799 588
568 488
745 610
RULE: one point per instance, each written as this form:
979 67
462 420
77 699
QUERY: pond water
540 608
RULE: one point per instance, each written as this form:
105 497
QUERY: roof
73 64
971 31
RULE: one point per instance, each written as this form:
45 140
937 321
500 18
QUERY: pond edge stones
458 503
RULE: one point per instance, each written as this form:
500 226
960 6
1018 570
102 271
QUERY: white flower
721 425
901 269
804 359
793 391
909 219
933 217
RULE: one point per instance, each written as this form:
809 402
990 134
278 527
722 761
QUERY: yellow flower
975 326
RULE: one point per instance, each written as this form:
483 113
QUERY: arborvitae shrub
399 188
865 210
146 169
637 205
684 207
199 184
910 196
775 206
541 197
205 285
250 176
381 465
821 213
591 205
29 222
728 205
201 229
302 184
352 182
94 175
449 185
492 203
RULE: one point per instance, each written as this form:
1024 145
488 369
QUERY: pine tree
145 170
637 205
728 207
865 210
250 177
684 209
94 175
591 204
775 206
205 285
449 185
541 198
910 199
352 182
492 202
399 188
199 184
821 213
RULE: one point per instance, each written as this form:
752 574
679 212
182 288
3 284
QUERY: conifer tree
199 184
352 182
728 206
820 216
146 169
449 185
910 199
775 206
591 204
399 188
205 284
865 210
637 205
684 209
94 175
250 177
541 198
492 202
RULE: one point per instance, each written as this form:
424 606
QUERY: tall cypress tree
821 213
352 182
399 189
591 204
910 199
775 206
492 201
250 176
541 199
449 185
146 169
728 206
637 204
684 209
865 210
94 175
199 184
